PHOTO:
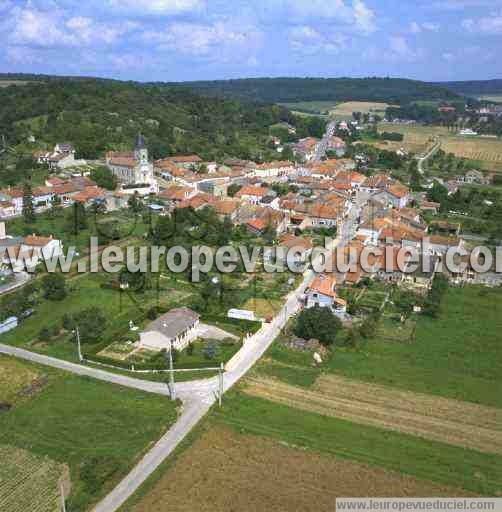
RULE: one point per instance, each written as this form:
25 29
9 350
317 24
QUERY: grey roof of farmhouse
174 322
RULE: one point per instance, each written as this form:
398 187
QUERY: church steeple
140 150
140 142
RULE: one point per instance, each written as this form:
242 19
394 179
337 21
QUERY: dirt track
227 472
439 419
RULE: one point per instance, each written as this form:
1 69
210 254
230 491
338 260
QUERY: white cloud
401 50
165 7
221 39
32 27
309 41
355 15
428 26
364 17
448 57
490 25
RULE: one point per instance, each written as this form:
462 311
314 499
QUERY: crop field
7 83
311 107
98 430
491 97
15 377
28 482
224 471
344 110
438 419
486 151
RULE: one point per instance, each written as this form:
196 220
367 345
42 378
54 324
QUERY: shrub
54 286
319 323
44 334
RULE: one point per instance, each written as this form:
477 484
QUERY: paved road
432 151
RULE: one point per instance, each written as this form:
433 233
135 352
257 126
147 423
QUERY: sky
179 40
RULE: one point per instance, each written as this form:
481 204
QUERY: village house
396 195
337 145
276 169
301 247
473 177
24 253
226 208
175 329
306 148
252 194
322 293
174 195
185 161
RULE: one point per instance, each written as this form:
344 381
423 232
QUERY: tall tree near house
28 208
54 286
55 209
319 323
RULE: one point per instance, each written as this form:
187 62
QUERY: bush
318 323
54 286
44 334
91 323
211 350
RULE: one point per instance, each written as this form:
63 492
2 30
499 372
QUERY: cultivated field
29 482
226 471
439 419
491 97
15 377
311 107
98 430
6 83
344 110
484 150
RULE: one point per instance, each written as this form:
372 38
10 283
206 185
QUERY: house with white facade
176 328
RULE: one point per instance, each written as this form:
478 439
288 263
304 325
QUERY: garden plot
29 482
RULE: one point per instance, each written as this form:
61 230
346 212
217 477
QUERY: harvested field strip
446 421
28 482
257 473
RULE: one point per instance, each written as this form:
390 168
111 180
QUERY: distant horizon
258 77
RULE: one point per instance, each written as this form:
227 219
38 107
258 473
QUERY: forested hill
474 87
287 90
99 115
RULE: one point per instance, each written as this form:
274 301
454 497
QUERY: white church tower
144 169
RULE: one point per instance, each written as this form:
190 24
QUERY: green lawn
428 460
100 430
457 355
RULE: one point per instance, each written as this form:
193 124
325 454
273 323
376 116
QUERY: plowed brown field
227 472
439 419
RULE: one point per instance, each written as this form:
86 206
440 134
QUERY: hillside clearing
447 421
344 110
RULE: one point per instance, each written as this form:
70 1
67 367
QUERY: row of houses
20 253
81 189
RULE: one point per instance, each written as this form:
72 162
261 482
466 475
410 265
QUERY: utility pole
79 348
63 501
171 371
220 394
